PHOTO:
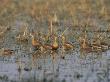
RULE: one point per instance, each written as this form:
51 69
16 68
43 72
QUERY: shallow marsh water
77 66
94 67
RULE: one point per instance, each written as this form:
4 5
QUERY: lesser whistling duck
84 43
95 45
35 43
66 45
6 52
24 37
85 46
47 47
103 43
55 44
104 46
96 48
46 43
21 38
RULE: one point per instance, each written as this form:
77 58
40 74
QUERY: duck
55 44
104 46
35 43
84 45
96 46
47 47
23 37
6 52
52 46
66 45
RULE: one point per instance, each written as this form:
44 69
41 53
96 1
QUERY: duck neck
84 43
33 39
55 42
63 40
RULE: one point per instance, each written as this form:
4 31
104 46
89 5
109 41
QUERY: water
73 68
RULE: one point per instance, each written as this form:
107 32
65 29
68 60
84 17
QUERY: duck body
35 43
22 38
104 46
55 44
100 47
47 47
55 47
87 49
48 44
96 46
6 52
50 47
85 46
68 46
